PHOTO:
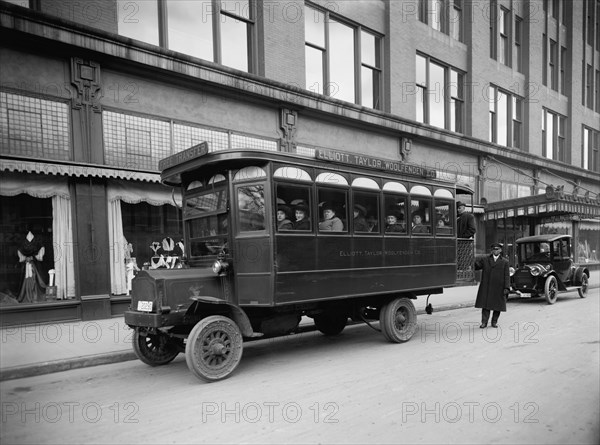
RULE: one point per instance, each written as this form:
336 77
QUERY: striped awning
75 170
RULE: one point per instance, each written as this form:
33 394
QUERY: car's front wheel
551 289
583 290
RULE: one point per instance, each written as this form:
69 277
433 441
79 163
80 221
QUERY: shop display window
152 231
21 215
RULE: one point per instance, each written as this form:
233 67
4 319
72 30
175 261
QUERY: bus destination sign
191 153
375 163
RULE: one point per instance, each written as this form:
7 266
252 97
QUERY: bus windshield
205 217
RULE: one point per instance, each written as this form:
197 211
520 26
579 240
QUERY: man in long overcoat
494 287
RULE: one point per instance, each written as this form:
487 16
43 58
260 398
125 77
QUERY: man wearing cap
494 286
465 222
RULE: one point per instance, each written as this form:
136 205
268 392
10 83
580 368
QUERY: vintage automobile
545 267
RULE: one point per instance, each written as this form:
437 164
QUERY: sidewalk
31 350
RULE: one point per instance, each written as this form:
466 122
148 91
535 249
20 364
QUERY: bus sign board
186 155
361 160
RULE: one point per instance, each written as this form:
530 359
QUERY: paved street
534 380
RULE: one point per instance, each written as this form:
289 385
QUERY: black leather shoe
483 325
494 325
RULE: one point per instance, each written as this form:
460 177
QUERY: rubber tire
398 320
583 290
330 322
216 331
551 289
153 349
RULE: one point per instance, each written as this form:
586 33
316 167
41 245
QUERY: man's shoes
494 325
483 325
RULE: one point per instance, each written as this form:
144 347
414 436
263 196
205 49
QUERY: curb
42 368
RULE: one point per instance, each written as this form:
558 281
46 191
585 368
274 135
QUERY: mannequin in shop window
31 254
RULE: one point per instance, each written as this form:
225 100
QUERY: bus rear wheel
398 320
214 348
331 322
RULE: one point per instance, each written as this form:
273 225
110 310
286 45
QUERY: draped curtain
131 193
13 184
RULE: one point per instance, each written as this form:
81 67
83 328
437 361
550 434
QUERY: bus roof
198 157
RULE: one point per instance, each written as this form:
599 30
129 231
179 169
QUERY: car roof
542 238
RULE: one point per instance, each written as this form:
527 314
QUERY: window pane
420 104
341 39
502 118
138 20
586 133
190 28
549 135
314 70
367 87
241 8
235 44
368 49
314 27
437 115
421 70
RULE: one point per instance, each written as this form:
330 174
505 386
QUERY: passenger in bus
372 225
465 222
283 220
441 225
360 222
418 227
394 221
301 213
330 221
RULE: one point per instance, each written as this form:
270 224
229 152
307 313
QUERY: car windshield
538 251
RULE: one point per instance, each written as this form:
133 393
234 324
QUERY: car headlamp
535 271
511 271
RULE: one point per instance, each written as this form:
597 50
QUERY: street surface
534 380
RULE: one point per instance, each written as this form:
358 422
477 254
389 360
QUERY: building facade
501 95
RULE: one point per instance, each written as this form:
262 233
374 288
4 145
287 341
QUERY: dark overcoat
495 278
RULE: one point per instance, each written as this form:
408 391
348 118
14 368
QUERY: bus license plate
144 306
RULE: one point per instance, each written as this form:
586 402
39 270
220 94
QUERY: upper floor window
218 31
443 15
440 94
554 136
590 148
519 44
342 60
504 37
505 117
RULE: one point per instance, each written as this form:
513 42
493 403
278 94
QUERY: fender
578 273
561 285
207 305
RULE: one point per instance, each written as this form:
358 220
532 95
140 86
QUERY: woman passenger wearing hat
393 221
494 287
330 222
418 226
283 222
301 212
360 221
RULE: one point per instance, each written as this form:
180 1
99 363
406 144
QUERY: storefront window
588 250
152 231
26 228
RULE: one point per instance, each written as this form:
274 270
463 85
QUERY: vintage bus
273 237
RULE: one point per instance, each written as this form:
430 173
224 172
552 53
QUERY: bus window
420 216
332 210
296 200
395 214
365 205
251 208
294 173
444 218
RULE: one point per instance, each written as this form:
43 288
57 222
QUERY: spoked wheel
154 349
551 289
331 322
398 320
583 290
214 348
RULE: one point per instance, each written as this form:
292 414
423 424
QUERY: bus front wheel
398 320
214 348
